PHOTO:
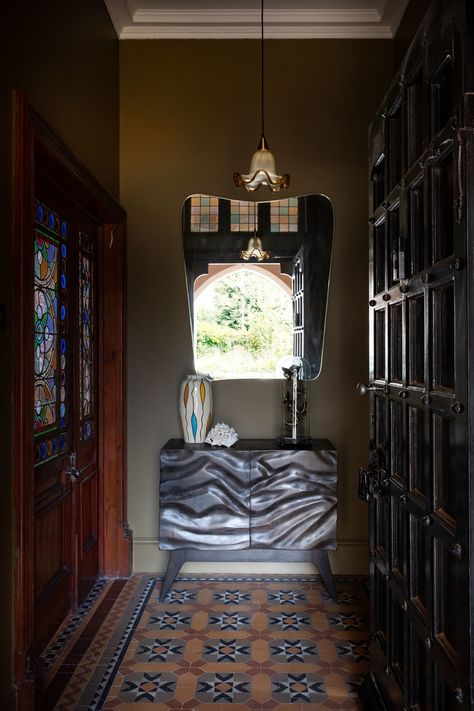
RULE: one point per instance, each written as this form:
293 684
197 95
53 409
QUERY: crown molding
379 21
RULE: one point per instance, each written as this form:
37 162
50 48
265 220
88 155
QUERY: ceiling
237 19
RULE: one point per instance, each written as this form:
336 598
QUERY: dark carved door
419 474
66 559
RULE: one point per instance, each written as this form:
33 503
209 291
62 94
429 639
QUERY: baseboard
351 558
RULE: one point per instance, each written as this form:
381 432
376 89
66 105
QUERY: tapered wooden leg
321 561
176 560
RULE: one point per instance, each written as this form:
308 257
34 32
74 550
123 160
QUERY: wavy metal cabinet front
293 499
204 499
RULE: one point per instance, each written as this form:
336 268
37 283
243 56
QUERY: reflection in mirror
257 277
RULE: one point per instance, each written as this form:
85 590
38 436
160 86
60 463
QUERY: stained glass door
65 428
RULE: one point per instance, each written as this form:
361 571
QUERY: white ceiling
237 19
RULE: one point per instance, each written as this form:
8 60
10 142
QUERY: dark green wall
64 57
189 118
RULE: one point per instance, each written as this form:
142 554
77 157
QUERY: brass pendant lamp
262 166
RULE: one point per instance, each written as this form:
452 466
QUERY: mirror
257 276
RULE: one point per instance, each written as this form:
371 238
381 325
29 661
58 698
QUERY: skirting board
351 558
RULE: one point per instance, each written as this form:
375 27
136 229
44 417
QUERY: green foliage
243 326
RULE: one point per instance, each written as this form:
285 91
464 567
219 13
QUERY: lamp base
302 442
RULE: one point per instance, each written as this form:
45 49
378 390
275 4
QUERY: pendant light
262 166
255 250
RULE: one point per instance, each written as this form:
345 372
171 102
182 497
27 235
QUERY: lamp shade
255 251
262 172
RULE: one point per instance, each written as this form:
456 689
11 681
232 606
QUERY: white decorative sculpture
222 435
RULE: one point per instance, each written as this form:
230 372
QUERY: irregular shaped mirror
257 277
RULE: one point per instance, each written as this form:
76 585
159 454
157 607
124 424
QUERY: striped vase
195 407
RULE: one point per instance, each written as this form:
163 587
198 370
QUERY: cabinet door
293 499
204 499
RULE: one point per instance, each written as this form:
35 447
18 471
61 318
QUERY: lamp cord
262 69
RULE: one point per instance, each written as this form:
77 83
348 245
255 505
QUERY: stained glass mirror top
51 333
243 216
204 213
284 215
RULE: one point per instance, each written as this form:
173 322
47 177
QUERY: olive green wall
189 117
64 57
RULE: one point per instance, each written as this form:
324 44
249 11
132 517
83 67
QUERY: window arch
243 322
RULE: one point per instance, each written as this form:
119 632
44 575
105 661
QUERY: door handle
72 471
373 479
363 388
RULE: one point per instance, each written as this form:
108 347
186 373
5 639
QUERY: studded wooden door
420 316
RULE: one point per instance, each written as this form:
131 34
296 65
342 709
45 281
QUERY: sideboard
255 501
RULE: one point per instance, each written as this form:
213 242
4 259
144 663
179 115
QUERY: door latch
373 479
72 471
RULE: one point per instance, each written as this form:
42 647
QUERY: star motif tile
168 621
356 650
289 621
232 597
348 621
147 687
293 651
223 688
179 597
298 689
222 650
159 650
286 597
229 621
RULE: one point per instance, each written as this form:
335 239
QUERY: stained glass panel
243 216
50 333
45 320
86 326
204 213
284 215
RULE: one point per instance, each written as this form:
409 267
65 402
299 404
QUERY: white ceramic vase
195 407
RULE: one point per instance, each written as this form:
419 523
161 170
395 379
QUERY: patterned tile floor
248 642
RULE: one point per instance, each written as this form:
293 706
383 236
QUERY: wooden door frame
37 149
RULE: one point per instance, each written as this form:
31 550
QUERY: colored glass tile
243 216
204 215
48 218
284 215
50 332
45 331
86 326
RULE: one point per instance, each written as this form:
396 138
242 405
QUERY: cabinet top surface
251 445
